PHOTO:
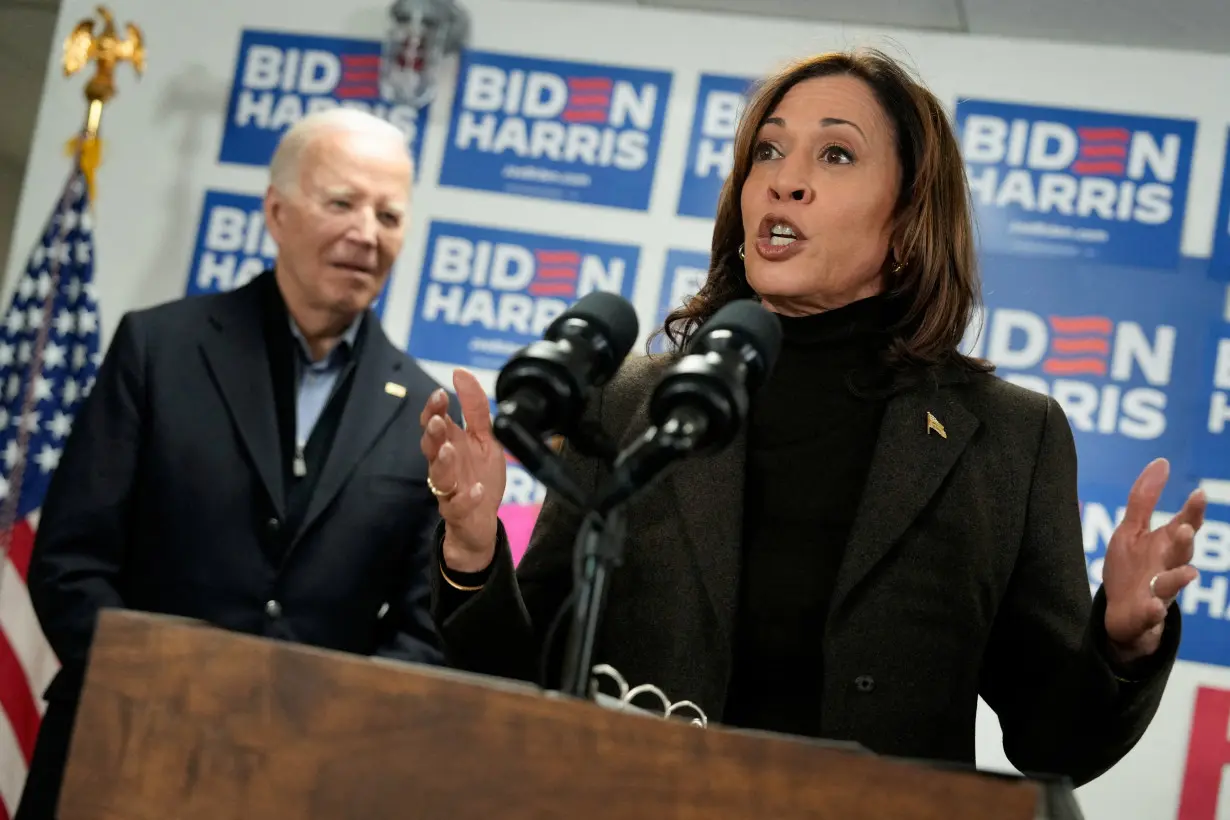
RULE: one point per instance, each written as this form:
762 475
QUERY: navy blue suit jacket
170 492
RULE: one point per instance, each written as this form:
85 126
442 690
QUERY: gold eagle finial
105 49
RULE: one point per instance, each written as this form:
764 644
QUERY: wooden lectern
182 720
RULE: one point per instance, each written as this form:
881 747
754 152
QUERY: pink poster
519 523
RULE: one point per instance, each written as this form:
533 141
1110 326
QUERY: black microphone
700 403
541 390
543 385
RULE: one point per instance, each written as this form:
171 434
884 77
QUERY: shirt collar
344 345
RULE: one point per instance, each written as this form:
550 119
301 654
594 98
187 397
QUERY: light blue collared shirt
315 380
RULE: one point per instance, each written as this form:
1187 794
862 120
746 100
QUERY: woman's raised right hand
466 471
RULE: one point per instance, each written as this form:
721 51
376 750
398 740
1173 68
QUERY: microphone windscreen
758 327
610 313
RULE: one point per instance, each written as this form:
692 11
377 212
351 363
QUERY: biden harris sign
711 145
578 132
1081 185
485 293
1204 603
281 77
1121 357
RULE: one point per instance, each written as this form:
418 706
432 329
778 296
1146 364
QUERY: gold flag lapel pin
934 424
394 389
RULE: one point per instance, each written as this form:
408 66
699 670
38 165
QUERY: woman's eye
763 151
836 154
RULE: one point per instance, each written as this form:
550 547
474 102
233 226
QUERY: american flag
49 354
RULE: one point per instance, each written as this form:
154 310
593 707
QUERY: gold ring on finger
441 495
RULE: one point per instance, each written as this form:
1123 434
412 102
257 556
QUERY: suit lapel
368 410
237 356
924 432
710 492
709 495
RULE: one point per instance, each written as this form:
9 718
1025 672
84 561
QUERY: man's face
340 230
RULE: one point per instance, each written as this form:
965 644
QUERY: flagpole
83 46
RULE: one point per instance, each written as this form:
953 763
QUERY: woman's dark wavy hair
938 284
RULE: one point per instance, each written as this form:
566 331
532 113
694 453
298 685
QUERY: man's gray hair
284 167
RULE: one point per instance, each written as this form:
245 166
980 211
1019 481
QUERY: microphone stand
600 541
599 550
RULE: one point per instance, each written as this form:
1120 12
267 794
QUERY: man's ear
273 208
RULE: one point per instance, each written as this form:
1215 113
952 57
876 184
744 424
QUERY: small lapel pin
394 389
934 424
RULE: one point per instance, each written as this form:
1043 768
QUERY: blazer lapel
710 492
236 355
924 432
709 495
369 409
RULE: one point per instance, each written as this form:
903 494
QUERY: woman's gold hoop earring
741 256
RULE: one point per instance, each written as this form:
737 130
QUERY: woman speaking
895 532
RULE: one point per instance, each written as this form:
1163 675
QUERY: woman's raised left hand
1145 569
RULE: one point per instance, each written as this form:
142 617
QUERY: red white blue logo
578 132
1080 185
711 146
1123 362
233 246
280 78
485 293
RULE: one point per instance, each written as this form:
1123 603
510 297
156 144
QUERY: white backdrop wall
164 136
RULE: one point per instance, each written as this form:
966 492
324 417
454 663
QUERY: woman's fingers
437 405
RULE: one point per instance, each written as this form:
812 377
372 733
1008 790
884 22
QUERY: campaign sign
1204 602
1210 454
1219 264
233 246
711 146
1122 360
686 272
578 132
485 293
1083 185
280 78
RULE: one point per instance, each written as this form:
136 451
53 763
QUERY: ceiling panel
1199 25
25 37
927 14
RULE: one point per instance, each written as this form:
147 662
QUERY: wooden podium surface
182 720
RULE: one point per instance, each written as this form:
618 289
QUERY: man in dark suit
251 459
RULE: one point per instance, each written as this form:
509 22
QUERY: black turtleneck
809 445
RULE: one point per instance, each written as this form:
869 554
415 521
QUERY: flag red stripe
21 546
17 699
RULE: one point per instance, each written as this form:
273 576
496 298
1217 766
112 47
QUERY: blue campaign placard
1122 360
1203 603
1219 264
685 273
1210 421
578 132
233 246
1087 186
485 292
280 77
719 104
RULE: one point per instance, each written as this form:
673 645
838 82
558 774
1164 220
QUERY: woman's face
818 202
